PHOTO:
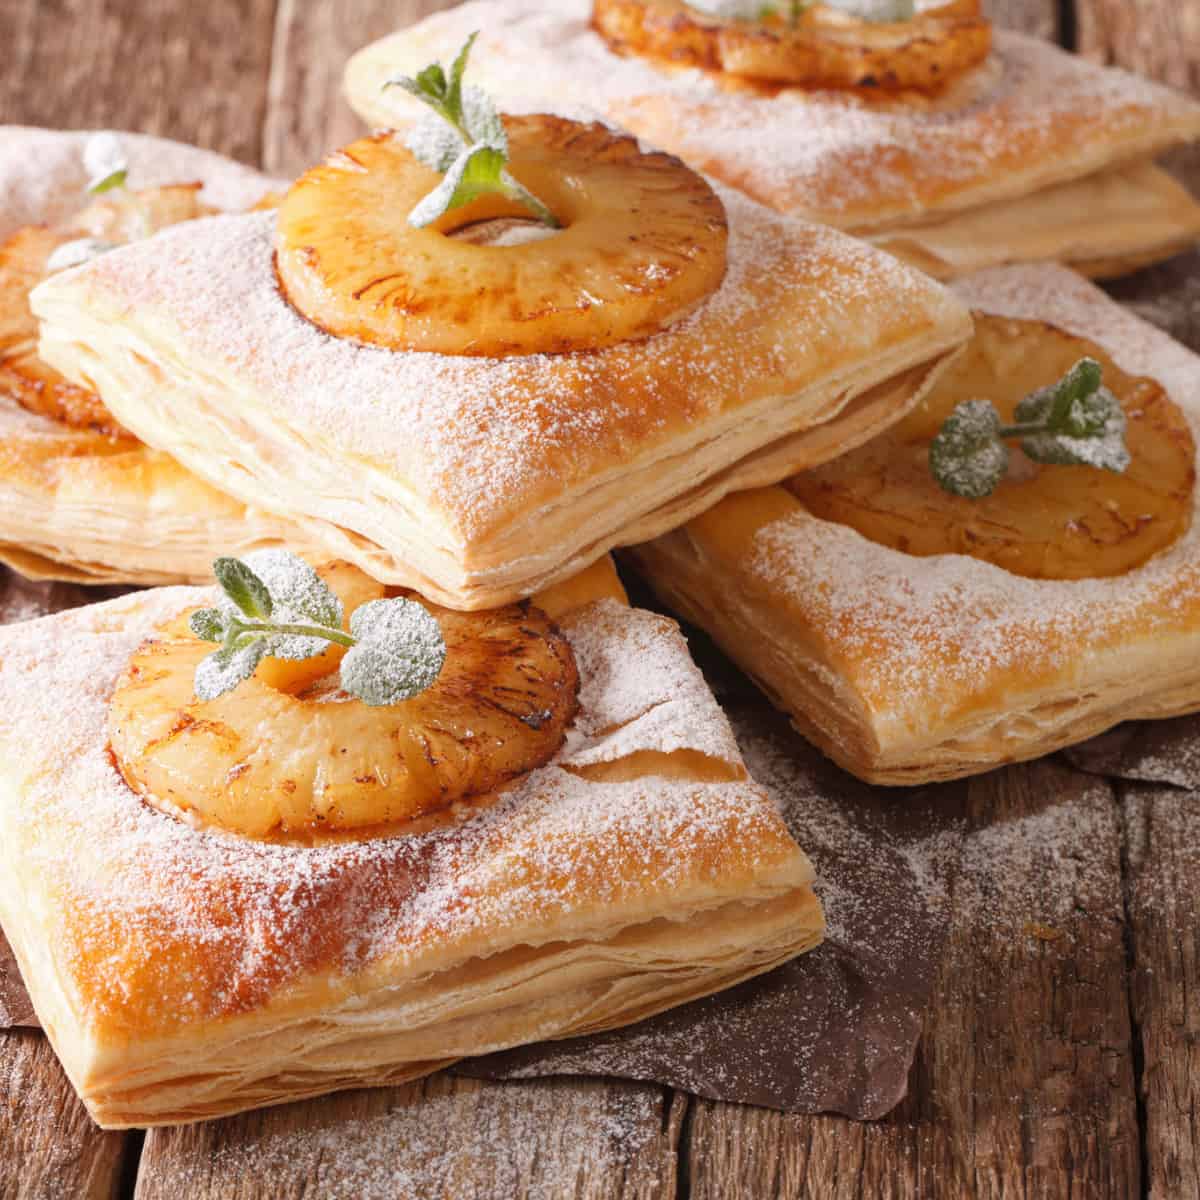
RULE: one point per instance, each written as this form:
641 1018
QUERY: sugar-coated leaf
224 669
243 587
104 159
435 143
967 456
1102 446
299 596
399 654
457 69
80 250
208 624
482 120
476 171
432 82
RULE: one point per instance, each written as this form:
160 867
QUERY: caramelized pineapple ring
826 47
1044 522
288 753
115 218
642 244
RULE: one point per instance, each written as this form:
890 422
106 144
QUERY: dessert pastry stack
416 782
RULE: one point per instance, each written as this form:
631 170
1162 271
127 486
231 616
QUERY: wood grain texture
443 1138
1159 38
1024 1083
197 72
49 1148
1162 880
307 115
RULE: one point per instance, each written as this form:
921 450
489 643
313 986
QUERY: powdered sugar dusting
922 628
539 1143
486 442
850 161
254 917
43 180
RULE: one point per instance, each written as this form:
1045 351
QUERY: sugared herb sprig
465 142
273 604
1074 422
107 166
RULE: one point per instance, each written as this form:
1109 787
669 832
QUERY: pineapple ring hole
642 243
1041 522
503 231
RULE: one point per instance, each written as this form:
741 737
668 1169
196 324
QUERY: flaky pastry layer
75 504
907 669
479 480
182 973
1030 119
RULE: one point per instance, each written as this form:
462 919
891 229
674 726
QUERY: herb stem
321 631
1027 430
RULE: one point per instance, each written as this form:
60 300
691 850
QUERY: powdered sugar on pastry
43 180
919 626
490 440
252 917
1029 117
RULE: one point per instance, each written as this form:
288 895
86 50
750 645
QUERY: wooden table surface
1062 1050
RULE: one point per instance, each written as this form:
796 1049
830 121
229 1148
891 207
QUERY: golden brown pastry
81 498
914 635
478 479
183 971
1032 155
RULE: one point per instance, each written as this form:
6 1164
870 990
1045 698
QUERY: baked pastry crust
184 974
906 669
478 481
77 504
998 144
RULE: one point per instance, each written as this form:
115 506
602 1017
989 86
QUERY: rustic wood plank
197 72
1042 18
1159 38
49 1148
461 1139
1162 869
307 115
1024 1084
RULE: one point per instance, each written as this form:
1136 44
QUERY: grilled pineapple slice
118 217
1043 522
825 47
287 753
643 243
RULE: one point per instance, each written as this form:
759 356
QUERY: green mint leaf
482 121
1062 406
243 587
473 155
224 669
105 162
435 143
208 624
967 456
454 88
114 180
73 253
399 654
1102 446
477 171
299 596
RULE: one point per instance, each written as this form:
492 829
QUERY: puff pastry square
475 480
184 974
907 669
75 503
1035 155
